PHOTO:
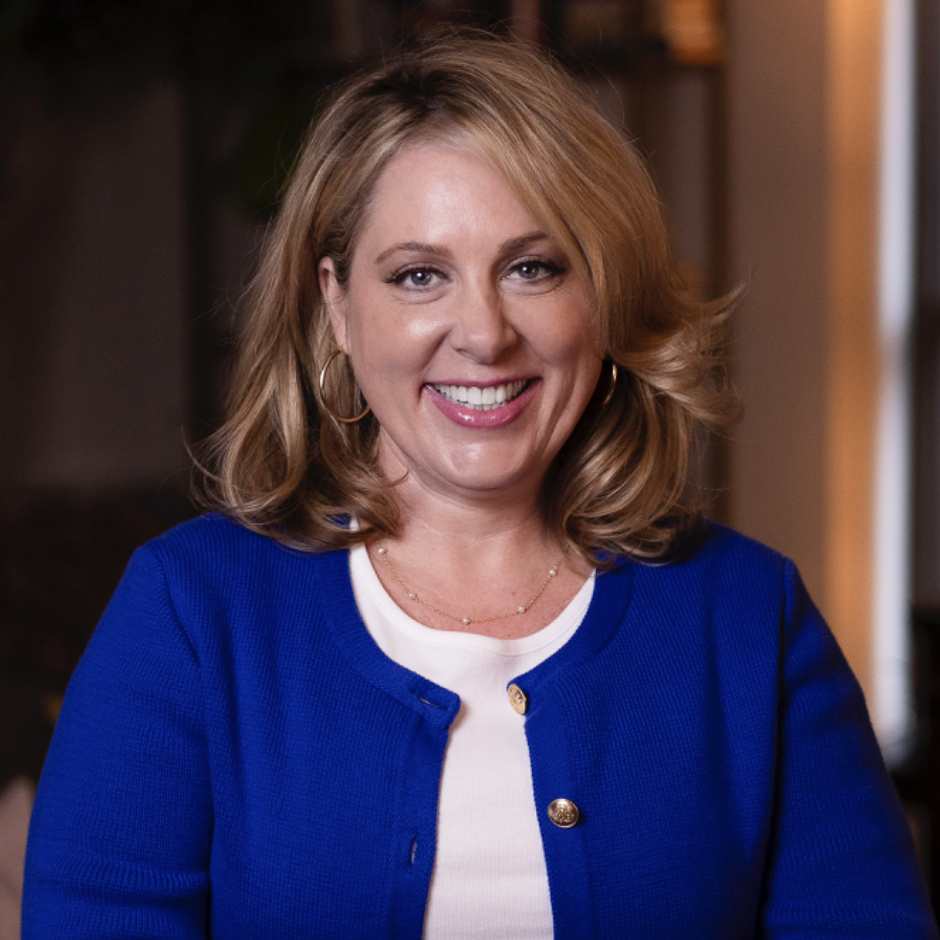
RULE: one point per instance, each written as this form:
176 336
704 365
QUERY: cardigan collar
439 706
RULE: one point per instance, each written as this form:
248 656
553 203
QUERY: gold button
563 813
517 698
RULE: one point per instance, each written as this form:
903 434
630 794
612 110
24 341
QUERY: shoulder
717 544
215 543
213 565
745 596
717 558
213 532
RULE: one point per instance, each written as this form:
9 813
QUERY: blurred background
797 147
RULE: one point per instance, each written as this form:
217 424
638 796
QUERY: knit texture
236 758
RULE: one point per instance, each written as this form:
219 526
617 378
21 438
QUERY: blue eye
415 278
529 270
533 270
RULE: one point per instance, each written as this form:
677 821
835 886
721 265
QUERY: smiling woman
458 657
453 286
581 216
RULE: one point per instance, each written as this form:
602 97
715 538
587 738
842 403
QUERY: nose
482 329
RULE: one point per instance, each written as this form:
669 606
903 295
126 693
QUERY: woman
385 693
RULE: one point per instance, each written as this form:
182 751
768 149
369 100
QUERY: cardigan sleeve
841 858
120 835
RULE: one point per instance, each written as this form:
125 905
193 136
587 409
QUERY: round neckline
363 571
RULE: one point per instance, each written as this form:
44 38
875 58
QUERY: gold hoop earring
613 384
323 400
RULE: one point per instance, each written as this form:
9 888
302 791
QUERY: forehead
433 191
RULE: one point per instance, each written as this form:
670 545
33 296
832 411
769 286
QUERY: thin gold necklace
466 621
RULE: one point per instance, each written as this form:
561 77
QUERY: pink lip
482 420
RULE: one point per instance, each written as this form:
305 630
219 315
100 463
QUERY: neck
443 509
479 560
472 527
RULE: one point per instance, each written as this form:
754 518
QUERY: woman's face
469 331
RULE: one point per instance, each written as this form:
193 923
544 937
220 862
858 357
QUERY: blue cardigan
236 758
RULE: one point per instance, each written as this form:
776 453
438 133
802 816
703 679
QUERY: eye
529 270
534 270
415 278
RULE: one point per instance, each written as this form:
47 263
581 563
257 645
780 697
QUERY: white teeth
482 399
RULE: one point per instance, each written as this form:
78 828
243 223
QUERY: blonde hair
281 466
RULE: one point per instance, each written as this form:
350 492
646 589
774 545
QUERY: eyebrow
419 247
513 244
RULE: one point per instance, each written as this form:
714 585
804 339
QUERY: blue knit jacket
236 759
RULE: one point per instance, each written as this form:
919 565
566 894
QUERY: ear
335 299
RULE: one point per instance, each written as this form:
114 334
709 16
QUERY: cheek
581 365
384 359
366 330
386 339
572 344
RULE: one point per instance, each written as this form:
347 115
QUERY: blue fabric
236 759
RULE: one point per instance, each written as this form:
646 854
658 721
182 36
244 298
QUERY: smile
479 398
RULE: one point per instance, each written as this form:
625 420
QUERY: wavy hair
280 465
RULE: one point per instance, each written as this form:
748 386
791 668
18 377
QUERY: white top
489 880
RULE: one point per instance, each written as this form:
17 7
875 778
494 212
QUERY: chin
493 483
